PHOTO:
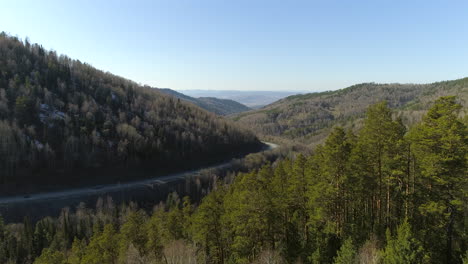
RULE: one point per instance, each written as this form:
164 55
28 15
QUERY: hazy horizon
252 46
246 91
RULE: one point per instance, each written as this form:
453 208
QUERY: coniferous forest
63 123
383 194
233 132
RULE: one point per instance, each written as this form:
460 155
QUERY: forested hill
383 195
63 121
309 117
212 104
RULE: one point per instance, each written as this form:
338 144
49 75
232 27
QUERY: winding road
107 188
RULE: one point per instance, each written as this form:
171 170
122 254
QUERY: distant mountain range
212 104
252 99
308 118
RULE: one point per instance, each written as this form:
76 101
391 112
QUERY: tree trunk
408 171
450 235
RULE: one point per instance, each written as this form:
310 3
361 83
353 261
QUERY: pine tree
77 251
50 256
3 242
153 228
403 248
333 163
376 149
208 229
250 215
133 233
465 259
440 145
346 254
103 247
298 198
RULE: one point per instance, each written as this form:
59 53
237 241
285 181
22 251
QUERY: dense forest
63 122
212 104
381 195
309 118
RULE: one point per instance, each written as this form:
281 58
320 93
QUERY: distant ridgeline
62 121
212 104
310 117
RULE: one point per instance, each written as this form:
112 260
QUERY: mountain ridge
212 104
309 117
252 99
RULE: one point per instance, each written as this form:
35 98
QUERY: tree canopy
63 121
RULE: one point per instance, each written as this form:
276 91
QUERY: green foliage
249 215
441 146
3 242
332 206
403 248
155 237
209 229
346 254
50 256
133 233
308 118
103 247
77 251
465 259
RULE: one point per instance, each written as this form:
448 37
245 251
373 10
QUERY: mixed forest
63 122
309 118
384 194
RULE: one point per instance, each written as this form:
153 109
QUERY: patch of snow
47 112
113 96
42 117
45 107
38 144
58 115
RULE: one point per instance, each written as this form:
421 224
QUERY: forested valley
64 123
384 194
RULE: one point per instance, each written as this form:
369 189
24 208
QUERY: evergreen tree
333 162
440 144
50 256
153 228
375 156
133 233
77 251
403 248
208 228
3 242
346 254
103 247
465 259
250 215
298 198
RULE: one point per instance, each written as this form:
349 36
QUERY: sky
250 44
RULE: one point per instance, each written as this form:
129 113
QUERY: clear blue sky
253 45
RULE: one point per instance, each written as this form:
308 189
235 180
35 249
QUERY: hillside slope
308 118
64 122
212 104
